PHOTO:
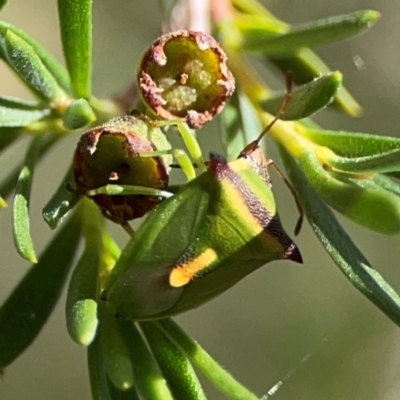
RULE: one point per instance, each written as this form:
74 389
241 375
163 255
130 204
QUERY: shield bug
214 231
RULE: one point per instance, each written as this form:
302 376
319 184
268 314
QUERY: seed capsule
111 154
184 75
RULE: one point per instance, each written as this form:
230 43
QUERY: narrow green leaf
220 378
81 305
306 66
175 366
378 163
306 99
304 63
62 202
28 65
149 382
238 124
351 144
54 67
316 33
24 313
21 226
100 385
359 198
97 372
78 114
340 247
8 136
117 359
76 34
16 112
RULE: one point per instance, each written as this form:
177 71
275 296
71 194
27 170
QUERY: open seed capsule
111 154
184 75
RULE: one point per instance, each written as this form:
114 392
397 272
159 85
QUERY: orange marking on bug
183 273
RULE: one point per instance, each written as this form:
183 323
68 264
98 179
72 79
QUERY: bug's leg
293 192
286 100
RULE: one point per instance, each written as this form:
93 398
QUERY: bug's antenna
285 102
251 146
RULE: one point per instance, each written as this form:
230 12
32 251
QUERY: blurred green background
305 325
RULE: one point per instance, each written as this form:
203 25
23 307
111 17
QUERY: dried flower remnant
184 75
110 154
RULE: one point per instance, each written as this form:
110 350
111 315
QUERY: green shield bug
214 231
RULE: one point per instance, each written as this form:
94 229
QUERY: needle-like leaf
30 68
316 33
21 226
306 99
341 248
54 67
76 34
175 366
